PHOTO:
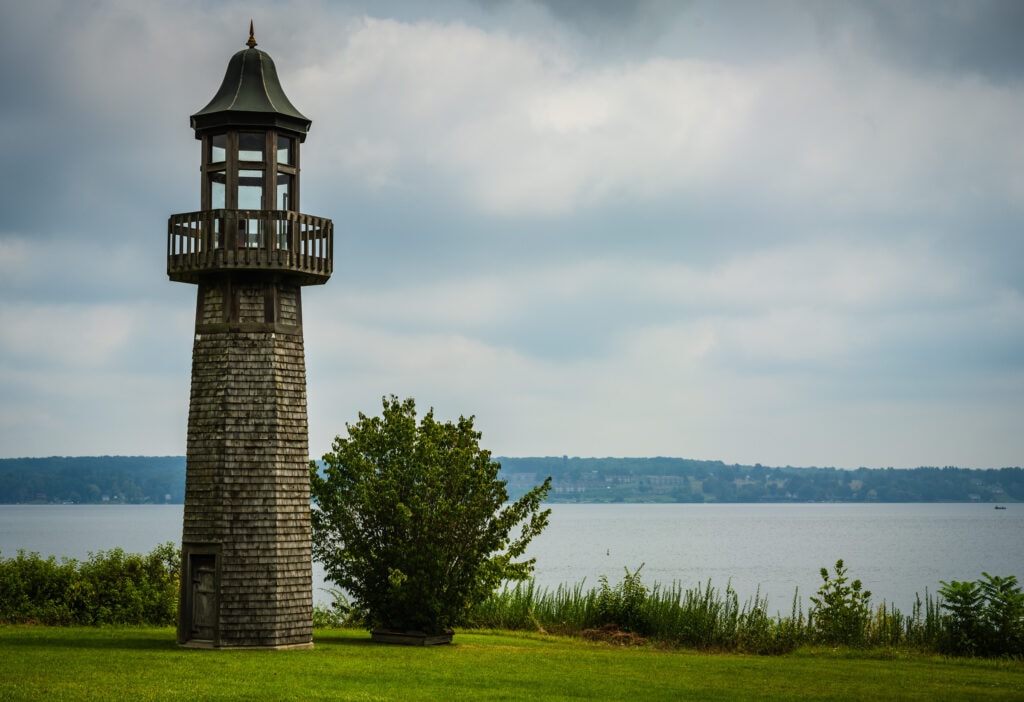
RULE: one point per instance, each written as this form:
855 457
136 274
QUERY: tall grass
525 607
712 619
700 617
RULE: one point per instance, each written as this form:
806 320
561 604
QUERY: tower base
247 569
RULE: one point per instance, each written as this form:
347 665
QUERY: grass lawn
145 664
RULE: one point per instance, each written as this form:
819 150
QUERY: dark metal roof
251 96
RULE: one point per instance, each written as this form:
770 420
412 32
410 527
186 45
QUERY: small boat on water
1000 506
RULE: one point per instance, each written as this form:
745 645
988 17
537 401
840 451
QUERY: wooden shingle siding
247 479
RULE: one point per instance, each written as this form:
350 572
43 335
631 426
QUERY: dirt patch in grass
609 633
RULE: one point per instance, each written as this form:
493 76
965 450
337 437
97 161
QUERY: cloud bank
784 234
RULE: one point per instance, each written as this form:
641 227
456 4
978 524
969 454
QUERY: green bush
413 521
841 612
34 589
111 587
623 605
986 617
1003 616
963 602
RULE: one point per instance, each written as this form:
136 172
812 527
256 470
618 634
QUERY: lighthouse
246 576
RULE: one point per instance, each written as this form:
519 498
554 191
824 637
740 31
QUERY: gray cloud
779 233
981 38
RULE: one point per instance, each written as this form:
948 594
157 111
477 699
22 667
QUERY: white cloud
519 127
770 355
15 260
79 336
73 411
723 243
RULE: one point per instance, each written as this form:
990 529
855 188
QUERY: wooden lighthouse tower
246 577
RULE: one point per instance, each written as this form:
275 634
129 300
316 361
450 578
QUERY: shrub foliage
841 610
986 617
413 523
111 587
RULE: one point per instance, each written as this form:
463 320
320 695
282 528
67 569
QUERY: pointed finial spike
252 38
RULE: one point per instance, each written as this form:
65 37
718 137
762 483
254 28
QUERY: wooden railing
294 244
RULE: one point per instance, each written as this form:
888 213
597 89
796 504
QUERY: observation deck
297 246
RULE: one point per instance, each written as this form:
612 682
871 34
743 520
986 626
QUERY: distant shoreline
160 480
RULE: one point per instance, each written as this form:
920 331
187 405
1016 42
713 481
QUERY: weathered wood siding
247 478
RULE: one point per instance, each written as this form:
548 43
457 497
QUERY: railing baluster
211 240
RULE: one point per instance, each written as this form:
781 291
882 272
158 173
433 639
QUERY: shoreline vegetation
161 480
982 618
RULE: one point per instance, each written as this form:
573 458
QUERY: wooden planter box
409 638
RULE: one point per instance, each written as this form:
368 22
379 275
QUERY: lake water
897 550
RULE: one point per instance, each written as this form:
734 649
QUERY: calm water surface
897 550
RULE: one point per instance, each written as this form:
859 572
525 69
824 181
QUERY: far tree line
161 480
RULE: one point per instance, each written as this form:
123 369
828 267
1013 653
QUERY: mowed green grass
145 664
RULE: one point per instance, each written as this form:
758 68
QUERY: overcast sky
776 232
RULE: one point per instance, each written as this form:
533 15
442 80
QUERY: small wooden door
204 595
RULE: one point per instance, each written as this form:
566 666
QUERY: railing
299 245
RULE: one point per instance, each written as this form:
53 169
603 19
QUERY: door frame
193 555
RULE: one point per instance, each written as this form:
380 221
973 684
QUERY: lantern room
249 218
